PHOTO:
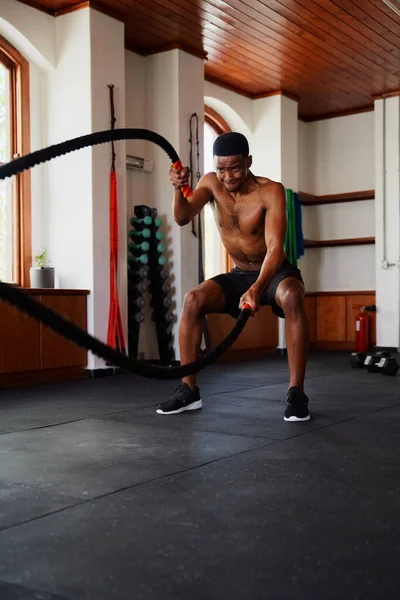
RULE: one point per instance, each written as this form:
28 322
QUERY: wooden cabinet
334 317
56 351
310 305
31 352
20 341
259 335
331 318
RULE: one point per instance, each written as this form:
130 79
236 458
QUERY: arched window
15 204
216 257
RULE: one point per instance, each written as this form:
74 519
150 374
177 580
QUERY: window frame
18 68
219 125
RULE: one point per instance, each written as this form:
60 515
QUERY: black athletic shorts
236 283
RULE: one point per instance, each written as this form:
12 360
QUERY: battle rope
27 304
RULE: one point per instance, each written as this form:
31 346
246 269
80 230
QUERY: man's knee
194 302
292 299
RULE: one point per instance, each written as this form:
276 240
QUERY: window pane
6 241
212 243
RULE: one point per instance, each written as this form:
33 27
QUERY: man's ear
249 161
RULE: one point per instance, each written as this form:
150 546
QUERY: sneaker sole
307 418
193 406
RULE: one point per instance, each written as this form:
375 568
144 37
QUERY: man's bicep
201 195
275 218
199 198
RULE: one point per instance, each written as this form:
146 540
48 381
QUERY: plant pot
42 277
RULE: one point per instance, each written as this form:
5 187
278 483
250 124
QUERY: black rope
27 304
113 121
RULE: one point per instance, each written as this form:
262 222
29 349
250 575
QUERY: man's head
231 152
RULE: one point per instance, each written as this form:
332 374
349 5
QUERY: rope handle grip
186 190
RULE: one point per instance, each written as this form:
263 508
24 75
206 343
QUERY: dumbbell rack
147 249
138 272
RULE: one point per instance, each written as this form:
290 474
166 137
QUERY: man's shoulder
271 190
211 177
269 184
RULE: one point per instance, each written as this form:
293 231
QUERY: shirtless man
250 213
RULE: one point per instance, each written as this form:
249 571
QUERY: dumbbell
371 360
163 274
145 233
142 210
140 287
140 273
387 366
380 362
359 360
144 247
145 221
157 222
168 317
158 235
162 260
160 248
166 302
139 302
142 259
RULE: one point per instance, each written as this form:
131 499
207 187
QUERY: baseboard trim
103 372
386 349
247 354
333 346
281 351
26 378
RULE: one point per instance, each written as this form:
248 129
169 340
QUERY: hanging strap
199 235
115 335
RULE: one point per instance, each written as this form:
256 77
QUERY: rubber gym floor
101 498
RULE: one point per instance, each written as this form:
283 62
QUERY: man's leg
290 297
206 298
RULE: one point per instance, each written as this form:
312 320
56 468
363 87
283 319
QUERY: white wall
137 181
162 91
174 90
32 31
237 110
135 91
337 156
38 103
387 210
341 154
67 198
107 68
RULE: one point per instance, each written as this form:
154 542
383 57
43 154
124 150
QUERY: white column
175 90
387 221
274 149
107 68
76 186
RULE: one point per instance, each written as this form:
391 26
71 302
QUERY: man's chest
246 218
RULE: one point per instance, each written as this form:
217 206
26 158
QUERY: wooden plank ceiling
333 55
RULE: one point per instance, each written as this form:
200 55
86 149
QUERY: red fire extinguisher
362 328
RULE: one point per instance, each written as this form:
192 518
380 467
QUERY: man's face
232 170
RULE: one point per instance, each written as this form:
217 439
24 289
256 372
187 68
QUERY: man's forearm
270 266
180 208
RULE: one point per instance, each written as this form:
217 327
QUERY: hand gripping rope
27 304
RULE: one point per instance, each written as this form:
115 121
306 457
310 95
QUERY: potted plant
42 276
